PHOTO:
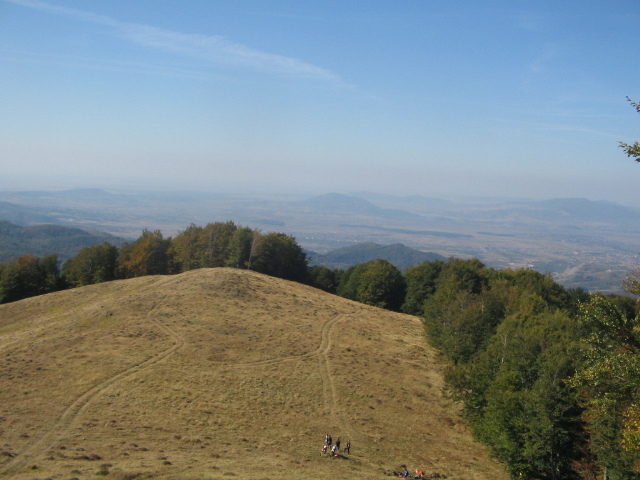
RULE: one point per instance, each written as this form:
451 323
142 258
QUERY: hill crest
216 373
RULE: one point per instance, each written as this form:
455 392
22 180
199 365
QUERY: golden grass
221 373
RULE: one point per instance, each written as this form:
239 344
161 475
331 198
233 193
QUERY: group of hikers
405 474
334 448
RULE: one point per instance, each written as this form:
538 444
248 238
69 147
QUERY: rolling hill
338 204
42 240
221 373
398 254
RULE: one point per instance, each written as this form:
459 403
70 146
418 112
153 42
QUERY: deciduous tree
91 265
242 247
378 283
610 386
148 255
421 284
278 255
632 150
198 247
323 278
29 276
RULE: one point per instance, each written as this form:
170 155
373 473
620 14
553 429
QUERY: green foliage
577 297
217 244
421 284
91 265
460 323
610 386
469 275
29 276
632 150
278 255
187 248
323 278
545 405
217 240
199 247
148 255
553 294
632 283
240 247
458 317
536 356
470 302
382 285
528 415
512 344
377 283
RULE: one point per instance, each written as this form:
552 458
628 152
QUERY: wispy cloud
111 65
212 48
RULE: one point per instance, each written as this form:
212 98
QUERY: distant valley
582 243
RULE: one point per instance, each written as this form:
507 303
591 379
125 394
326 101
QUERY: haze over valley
582 243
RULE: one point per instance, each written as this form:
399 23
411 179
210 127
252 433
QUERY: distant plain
582 243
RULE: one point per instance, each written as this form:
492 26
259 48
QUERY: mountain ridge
397 253
559 236
45 239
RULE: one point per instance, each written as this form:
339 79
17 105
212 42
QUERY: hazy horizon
141 188
439 99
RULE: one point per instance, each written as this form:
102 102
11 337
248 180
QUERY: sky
440 98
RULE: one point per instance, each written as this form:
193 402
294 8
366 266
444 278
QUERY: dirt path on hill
330 398
330 393
73 411
328 387
321 350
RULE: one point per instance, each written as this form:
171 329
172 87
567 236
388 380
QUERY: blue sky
435 98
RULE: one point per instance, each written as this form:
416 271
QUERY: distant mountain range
580 208
579 241
23 215
338 204
398 254
42 240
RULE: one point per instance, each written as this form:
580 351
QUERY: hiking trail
75 409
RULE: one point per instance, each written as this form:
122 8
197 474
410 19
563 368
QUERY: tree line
219 244
547 377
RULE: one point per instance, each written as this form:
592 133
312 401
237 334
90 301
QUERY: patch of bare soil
221 373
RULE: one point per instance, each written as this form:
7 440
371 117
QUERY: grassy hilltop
221 373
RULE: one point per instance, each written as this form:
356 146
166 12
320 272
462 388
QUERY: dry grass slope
220 373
